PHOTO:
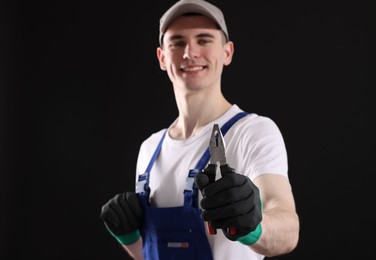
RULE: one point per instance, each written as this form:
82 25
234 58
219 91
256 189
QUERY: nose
190 52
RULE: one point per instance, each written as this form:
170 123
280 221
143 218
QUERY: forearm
280 232
135 250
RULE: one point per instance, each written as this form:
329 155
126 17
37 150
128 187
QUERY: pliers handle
217 158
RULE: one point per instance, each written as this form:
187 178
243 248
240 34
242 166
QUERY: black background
81 88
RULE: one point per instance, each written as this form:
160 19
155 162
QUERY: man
165 218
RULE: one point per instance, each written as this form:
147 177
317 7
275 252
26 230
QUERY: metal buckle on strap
141 184
189 181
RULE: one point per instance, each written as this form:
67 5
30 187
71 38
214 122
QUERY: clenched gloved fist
122 217
232 201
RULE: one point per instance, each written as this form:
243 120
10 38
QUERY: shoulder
153 139
257 125
252 120
255 134
257 146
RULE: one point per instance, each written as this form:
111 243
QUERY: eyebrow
200 35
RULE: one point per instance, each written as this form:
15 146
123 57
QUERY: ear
161 58
229 52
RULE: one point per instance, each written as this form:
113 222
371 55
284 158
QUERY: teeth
193 69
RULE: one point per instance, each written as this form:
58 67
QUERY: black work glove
232 201
122 217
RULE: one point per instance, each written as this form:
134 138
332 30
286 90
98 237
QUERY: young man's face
194 52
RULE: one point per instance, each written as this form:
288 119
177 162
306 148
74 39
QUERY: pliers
217 151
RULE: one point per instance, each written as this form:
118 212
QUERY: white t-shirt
254 146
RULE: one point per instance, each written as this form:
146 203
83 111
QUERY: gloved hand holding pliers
231 203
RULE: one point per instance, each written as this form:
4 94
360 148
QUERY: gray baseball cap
191 6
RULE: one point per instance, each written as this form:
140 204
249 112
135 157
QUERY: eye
204 41
176 44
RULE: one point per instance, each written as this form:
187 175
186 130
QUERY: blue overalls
175 232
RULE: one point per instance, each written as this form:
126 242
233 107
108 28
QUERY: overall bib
175 232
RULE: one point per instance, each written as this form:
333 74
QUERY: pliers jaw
217 147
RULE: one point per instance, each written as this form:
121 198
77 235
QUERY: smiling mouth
193 69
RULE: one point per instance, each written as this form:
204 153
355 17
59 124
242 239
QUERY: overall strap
142 185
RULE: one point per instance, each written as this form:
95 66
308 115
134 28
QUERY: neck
195 112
